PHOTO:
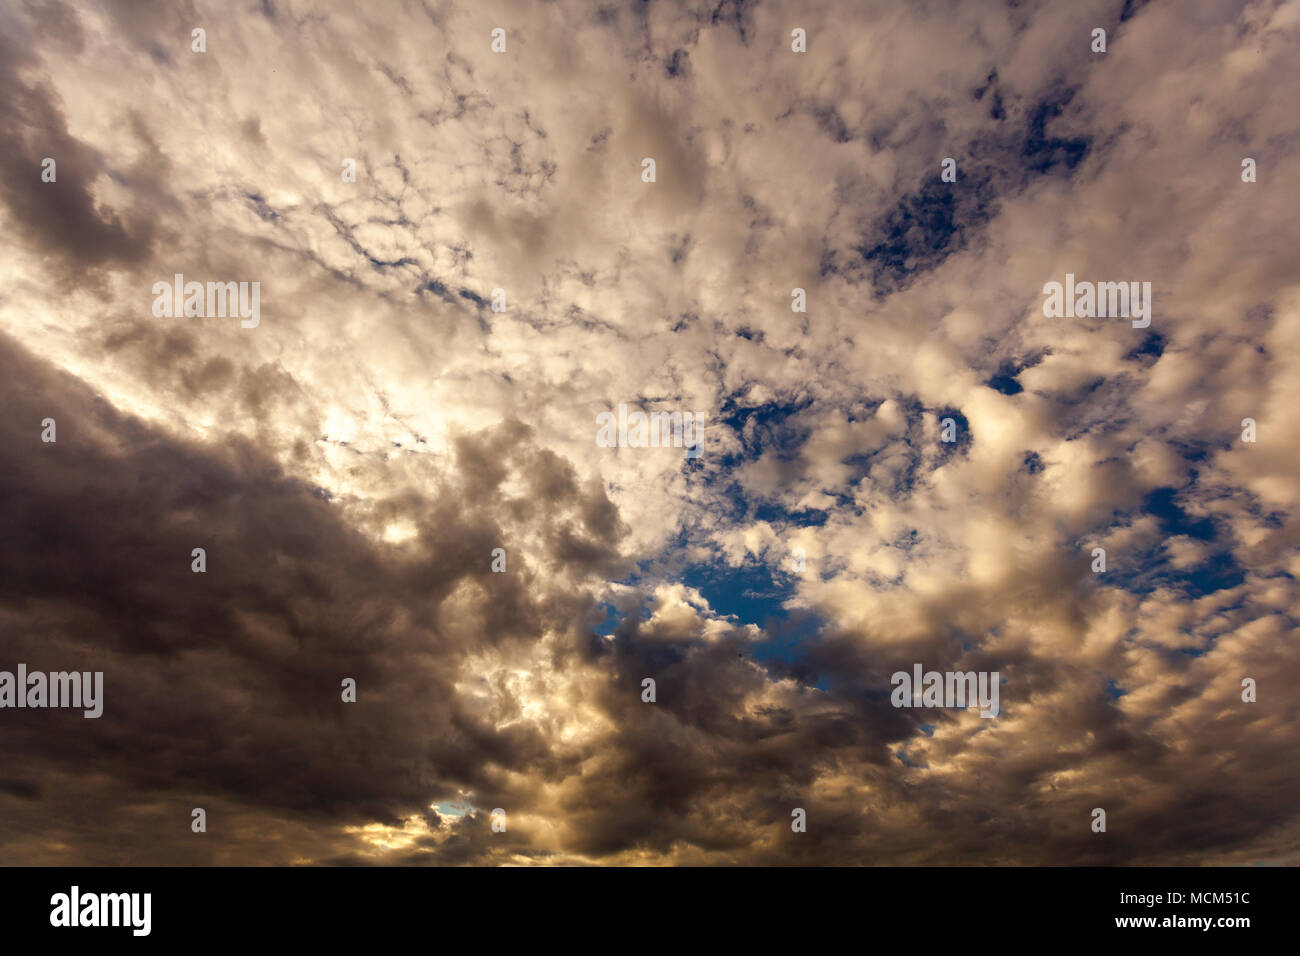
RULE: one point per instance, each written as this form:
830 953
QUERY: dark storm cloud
233 676
60 217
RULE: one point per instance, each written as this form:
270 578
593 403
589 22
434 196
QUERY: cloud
351 464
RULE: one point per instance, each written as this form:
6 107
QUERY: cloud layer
350 464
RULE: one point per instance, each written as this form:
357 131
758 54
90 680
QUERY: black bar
949 906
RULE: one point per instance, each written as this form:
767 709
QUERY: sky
394 469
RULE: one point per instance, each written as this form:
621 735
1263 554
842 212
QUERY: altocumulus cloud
439 332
